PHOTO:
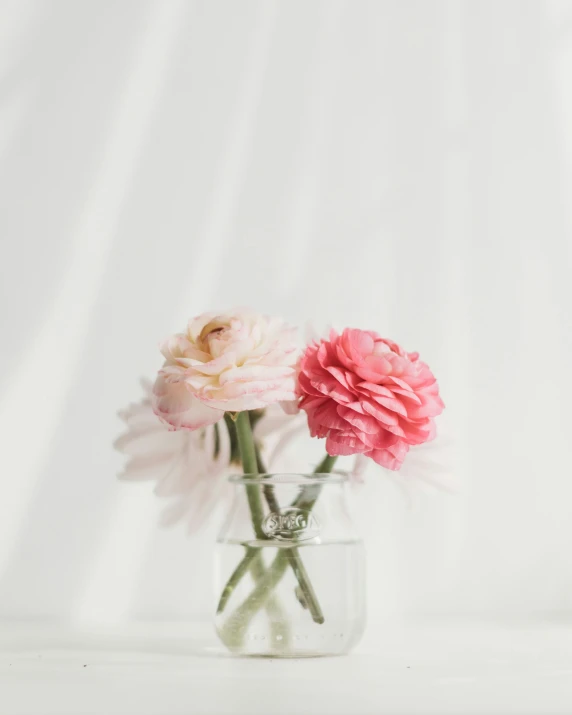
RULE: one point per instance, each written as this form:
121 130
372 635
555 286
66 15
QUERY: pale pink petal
290 407
255 374
176 406
255 401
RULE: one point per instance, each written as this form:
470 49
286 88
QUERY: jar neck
289 508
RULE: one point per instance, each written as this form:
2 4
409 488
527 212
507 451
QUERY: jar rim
290 478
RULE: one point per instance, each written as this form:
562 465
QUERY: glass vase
289 568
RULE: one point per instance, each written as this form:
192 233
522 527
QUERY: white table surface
172 669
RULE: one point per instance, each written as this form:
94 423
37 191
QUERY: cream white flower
228 362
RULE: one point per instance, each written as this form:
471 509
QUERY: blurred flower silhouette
430 466
190 467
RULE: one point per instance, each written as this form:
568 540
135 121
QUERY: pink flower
366 395
224 363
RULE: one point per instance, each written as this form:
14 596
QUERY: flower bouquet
289 561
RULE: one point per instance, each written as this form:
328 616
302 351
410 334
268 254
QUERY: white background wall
397 165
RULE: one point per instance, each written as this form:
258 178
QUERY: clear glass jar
289 568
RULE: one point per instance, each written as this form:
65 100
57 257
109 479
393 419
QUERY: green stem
279 627
252 464
270 496
305 584
267 489
233 631
237 624
246 443
326 465
236 576
250 467
309 495
305 500
259 461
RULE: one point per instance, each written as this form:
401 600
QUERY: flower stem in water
305 500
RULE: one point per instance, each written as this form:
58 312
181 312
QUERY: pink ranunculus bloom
366 395
227 362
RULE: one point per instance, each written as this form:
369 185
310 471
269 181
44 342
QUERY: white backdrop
395 165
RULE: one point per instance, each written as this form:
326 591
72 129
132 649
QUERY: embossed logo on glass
291 525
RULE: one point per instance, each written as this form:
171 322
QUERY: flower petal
175 405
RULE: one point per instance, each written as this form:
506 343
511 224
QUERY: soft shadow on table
38 641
